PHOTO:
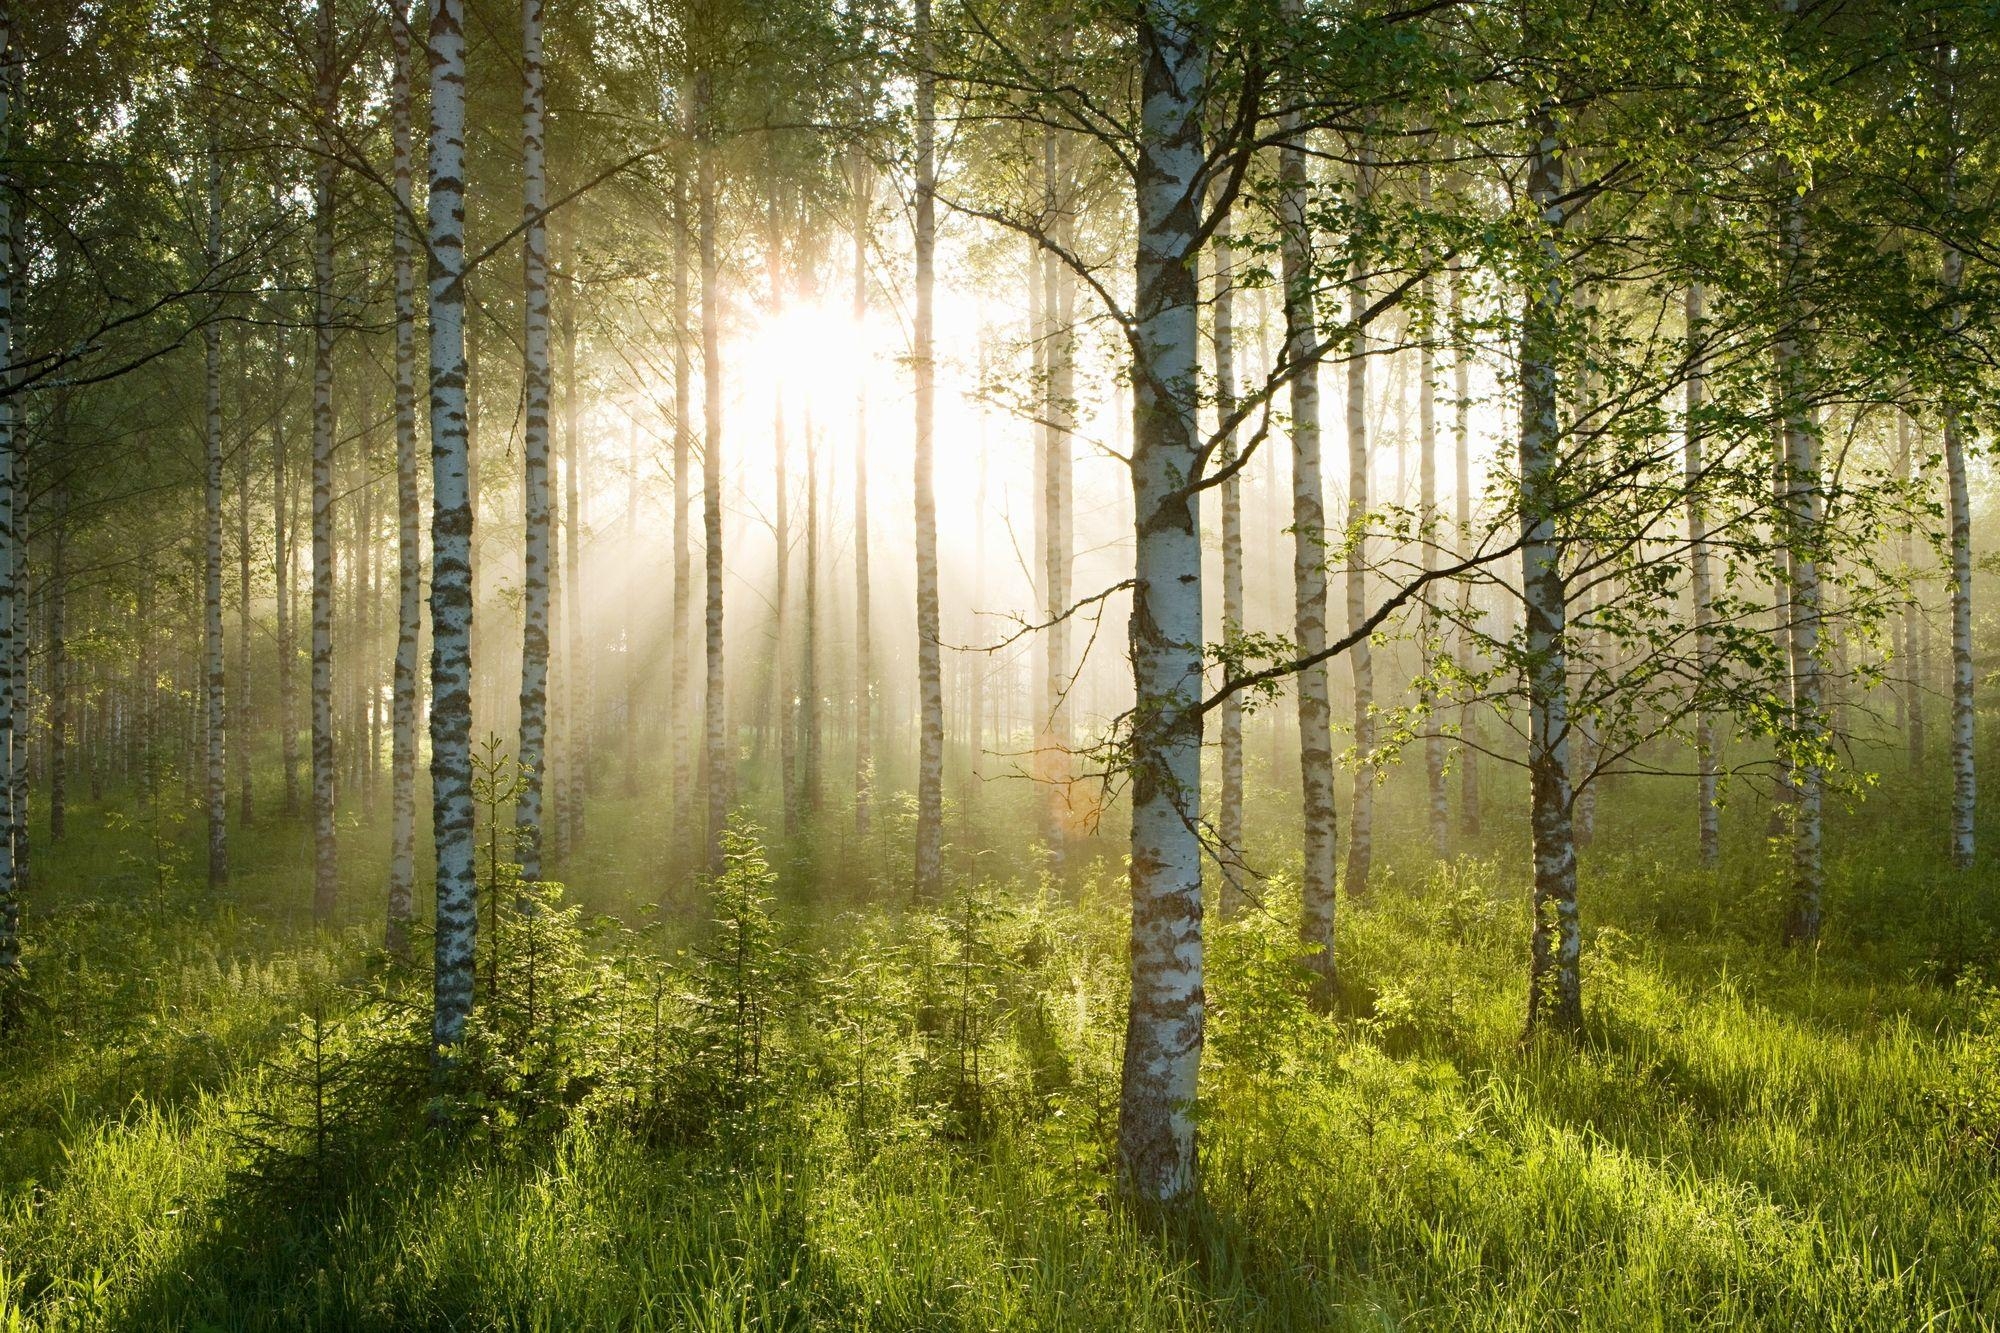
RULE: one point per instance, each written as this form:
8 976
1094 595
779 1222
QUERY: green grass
1748 1138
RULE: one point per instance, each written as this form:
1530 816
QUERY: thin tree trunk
281 575
864 665
1959 509
10 898
717 718
1801 518
574 683
1468 714
451 540
216 787
240 754
1165 1011
682 684
628 756
325 867
1555 995
1361 819
1707 790
409 569
1229 815
809 721
1427 514
534 455
781 558
1059 343
1309 554
58 658
929 858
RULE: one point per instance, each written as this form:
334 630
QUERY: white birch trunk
809 720
451 540
1427 506
864 664
1360 658
1165 1013
682 685
1309 556
326 884
1708 815
929 858
532 754
1468 714
281 578
1229 815
1555 997
1959 509
216 703
715 716
10 898
409 574
1801 518
574 682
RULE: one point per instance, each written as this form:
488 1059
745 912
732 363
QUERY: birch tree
929 858
326 885
1165 1010
1309 552
409 570
451 540
216 703
1555 996
534 452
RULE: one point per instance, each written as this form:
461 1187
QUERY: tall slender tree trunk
1165 1012
809 719
1708 816
10 898
864 664
326 884
409 568
1959 509
451 541
681 683
1555 993
532 755
628 750
981 665
1361 819
281 577
1229 814
1801 517
1059 387
1427 519
216 788
929 859
246 797
1309 556
1468 714
717 718
58 660
574 683
781 560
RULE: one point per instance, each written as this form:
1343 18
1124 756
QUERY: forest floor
1746 1138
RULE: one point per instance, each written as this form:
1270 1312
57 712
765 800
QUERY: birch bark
929 858
1165 1010
326 883
1707 810
1309 557
451 540
1555 997
409 573
532 752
